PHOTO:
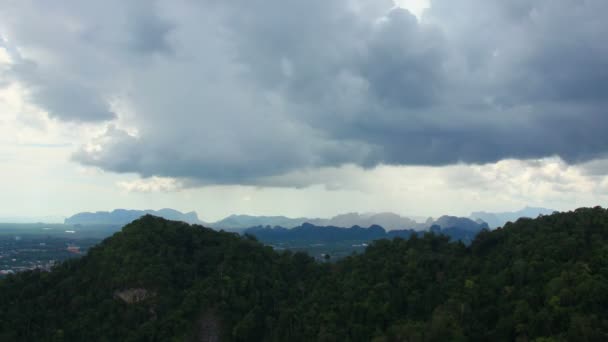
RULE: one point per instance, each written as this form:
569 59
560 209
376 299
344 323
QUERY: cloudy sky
302 107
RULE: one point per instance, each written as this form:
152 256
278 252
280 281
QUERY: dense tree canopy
544 279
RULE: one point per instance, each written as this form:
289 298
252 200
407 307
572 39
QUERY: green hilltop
543 279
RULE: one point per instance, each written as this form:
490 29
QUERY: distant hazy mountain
247 221
310 232
457 228
466 224
499 219
123 216
388 221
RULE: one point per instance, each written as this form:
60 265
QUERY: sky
302 107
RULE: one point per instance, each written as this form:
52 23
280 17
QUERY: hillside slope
154 281
543 279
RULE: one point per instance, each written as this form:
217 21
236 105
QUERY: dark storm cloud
61 97
403 62
53 91
227 92
64 54
147 31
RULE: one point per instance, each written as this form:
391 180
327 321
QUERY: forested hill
543 279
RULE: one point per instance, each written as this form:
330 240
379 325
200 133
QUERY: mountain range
456 228
124 216
236 222
387 220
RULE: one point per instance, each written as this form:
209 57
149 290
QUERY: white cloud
457 189
417 7
5 58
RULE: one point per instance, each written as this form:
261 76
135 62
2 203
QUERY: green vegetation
534 280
